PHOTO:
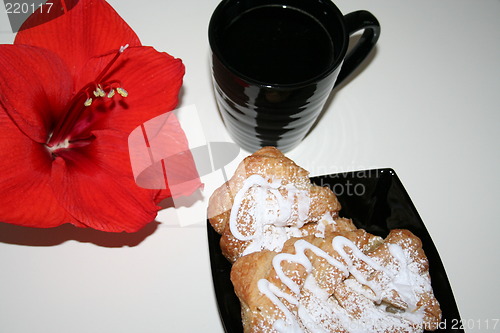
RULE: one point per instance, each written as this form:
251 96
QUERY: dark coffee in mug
276 44
275 62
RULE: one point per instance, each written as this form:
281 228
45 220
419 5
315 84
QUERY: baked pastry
350 281
299 267
268 200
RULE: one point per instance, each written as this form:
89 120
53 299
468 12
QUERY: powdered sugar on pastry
299 267
403 280
272 203
275 212
387 290
268 200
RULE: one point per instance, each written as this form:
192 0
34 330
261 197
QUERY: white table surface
426 105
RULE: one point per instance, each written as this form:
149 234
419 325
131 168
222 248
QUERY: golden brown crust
267 162
296 262
260 312
273 166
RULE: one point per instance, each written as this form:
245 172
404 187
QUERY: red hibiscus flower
72 89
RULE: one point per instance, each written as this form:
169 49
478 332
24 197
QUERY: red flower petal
95 184
89 185
160 156
90 28
27 197
35 87
152 79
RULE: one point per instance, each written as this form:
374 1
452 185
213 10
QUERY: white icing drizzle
300 257
272 292
276 217
325 220
320 229
402 282
305 317
238 199
404 279
339 243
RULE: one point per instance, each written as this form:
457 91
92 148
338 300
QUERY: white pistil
123 48
61 145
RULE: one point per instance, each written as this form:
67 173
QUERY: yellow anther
88 102
98 92
122 92
111 93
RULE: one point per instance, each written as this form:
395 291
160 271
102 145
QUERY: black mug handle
354 22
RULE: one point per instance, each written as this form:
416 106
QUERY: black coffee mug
275 62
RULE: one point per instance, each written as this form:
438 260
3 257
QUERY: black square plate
376 201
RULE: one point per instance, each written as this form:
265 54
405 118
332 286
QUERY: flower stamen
75 113
122 92
98 92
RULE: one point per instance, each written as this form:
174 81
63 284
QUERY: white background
426 105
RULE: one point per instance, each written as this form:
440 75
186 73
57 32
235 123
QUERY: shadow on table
18 235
